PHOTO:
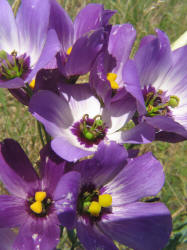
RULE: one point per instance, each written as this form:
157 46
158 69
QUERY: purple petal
141 177
166 124
169 137
32 21
7 238
50 49
65 197
142 133
132 85
141 226
38 234
62 24
153 60
12 211
53 111
20 95
121 41
92 238
67 150
16 171
109 159
12 84
8 29
84 53
91 17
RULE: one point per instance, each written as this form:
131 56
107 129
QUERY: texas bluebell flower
109 205
7 237
82 40
26 45
78 122
163 79
32 203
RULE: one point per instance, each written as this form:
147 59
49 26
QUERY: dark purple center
89 131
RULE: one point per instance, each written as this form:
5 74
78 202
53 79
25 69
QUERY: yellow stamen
111 77
32 84
105 200
40 196
68 52
36 207
94 208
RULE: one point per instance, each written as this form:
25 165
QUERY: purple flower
78 122
7 238
32 203
82 40
163 79
106 77
25 42
109 206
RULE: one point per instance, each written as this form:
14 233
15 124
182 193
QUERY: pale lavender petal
141 226
92 238
120 44
38 234
32 21
12 84
48 53
141 177
8 29
62 24
53 111
65 196
109 159
7 238
84 53
12 211
91 17
65 149
166 124
16 171
132 85
153 60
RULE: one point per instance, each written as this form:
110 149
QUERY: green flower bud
88 135
173 101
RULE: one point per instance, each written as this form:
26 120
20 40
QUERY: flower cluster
87 180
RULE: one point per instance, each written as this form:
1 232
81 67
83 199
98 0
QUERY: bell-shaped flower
82 40
109 205
78 122
31 205
163 76
26 45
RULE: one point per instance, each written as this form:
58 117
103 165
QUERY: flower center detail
92 203
68 52
40 203
12 66
89 131
111 77
158 103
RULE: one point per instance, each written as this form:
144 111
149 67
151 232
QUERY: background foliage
146 16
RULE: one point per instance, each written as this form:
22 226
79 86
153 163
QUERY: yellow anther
32 84
94 208
68 52
105 200
111 77
40 196
36 207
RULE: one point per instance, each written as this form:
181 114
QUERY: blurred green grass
146 16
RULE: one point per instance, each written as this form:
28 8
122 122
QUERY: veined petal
141 177
92 238
32 22
38 234
53 111
12 211
16 171
8 28
65 196
141 226
7 238
62 24
12 84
